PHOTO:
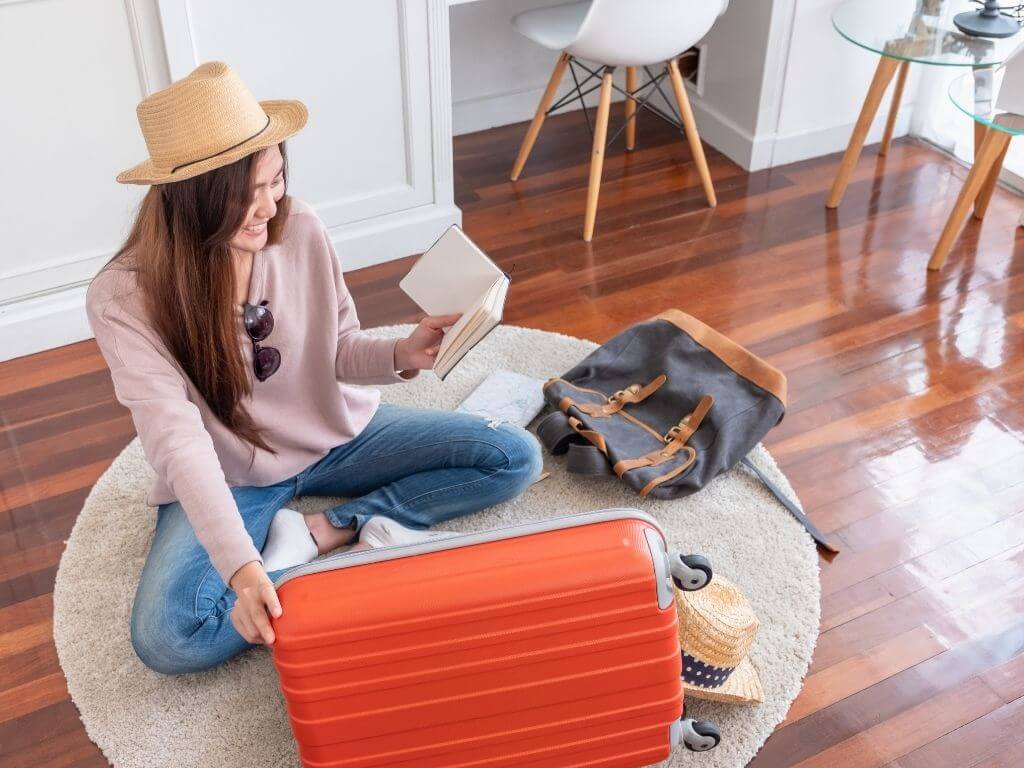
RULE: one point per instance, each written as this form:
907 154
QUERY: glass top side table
975 94
901 32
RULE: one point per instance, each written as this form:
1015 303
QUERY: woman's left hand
419 350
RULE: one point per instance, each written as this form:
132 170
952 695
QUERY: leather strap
634 393
794 510
689 424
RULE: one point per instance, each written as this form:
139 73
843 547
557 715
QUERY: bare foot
326 536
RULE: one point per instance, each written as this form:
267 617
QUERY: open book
454 276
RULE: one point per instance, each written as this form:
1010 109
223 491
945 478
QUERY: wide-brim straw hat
716 628
207 120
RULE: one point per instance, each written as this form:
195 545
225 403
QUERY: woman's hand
256 597
419 350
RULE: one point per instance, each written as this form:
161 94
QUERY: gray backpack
667 405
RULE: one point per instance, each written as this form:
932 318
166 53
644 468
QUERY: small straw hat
716 628
207 120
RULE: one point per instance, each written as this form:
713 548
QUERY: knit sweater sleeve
171 430
361 358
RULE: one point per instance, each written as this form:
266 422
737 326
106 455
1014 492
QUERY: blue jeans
418 467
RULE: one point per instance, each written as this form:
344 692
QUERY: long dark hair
178 246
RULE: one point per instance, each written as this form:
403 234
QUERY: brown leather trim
690 423
741 360
669 475
632 394
629 417
594 438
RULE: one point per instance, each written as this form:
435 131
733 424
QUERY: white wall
825 81
67 127
374 159
498 76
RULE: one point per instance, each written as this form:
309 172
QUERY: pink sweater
304 408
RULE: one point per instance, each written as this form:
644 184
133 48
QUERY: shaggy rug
234 716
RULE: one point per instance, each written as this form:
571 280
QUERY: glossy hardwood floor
903 435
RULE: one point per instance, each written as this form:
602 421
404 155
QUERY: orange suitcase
542 645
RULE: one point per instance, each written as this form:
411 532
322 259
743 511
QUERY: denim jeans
418 467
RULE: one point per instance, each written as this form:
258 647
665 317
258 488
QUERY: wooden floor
903 436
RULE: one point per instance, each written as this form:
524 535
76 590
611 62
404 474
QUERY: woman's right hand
256 598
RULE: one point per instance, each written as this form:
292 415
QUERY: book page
453 275
471 318
485 319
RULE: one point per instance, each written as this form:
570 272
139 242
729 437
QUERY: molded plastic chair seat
555 27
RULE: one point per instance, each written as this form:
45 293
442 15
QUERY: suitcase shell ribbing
542 646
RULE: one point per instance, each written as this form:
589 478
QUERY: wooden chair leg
883 74
985 194
994 145
631 115
597 158
538 118
696 148
894 109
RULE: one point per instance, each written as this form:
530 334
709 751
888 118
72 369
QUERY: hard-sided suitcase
541 645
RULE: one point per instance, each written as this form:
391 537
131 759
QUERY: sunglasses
259 323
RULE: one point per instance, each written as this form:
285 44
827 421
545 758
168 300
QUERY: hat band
176 168
696 672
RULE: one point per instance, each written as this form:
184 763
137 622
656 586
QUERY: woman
231 337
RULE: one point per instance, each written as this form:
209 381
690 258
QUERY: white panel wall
361 68
67 125
825 81
498 76
374 159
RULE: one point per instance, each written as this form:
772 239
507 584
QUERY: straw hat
207 120
716 628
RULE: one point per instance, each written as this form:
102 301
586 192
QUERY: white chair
619 33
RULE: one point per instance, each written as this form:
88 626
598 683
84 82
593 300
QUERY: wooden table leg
631 115
894 109
883 74
981 203
985 194
994 145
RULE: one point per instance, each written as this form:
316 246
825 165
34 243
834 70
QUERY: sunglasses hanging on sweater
259 323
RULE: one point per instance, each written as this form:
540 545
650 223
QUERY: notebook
506 396
454 276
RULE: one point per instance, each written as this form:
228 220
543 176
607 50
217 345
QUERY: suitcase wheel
700 735
690 572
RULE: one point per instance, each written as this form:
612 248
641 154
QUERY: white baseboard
795 147
43 322
723 134
52 320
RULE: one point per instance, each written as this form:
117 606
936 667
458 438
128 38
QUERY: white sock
289 541
380 531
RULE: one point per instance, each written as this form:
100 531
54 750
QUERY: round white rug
234 716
